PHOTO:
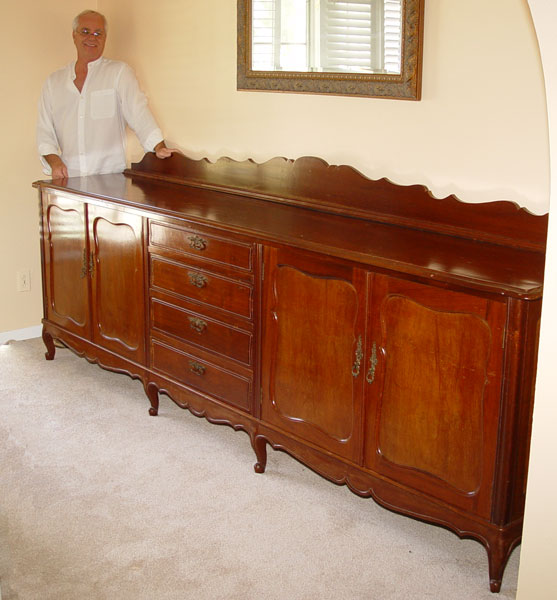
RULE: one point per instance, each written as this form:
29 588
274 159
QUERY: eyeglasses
85 32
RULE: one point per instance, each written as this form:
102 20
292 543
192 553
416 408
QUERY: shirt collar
92 64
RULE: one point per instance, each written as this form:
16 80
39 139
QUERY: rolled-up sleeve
47 142
136 110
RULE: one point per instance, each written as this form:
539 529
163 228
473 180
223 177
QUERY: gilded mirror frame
406 85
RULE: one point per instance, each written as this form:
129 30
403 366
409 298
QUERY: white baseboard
21 334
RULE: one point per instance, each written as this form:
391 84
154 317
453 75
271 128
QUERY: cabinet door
433 372
314 334
66 264
117 281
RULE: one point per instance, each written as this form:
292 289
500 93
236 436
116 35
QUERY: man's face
89 46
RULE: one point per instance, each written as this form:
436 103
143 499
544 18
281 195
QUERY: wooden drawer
202 245
202 286
201 375
199 329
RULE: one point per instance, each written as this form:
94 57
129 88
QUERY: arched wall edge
536 579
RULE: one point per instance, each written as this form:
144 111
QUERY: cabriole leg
152 391
495 573
498 555
49 343
260 447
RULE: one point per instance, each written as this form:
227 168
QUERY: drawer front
202 245
202 286
201 375
198 329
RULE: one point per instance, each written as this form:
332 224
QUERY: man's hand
161 151
59 169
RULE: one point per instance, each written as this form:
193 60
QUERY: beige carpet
100 501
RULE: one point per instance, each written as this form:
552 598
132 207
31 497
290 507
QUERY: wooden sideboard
384 338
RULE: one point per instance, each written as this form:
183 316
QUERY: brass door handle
87 268
84 264
370 376
358 359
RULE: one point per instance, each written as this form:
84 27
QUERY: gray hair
75 23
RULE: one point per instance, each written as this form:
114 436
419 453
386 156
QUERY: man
85 106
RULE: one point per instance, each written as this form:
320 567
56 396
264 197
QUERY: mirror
344 47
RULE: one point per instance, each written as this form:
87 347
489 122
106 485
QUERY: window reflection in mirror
368 48
327 36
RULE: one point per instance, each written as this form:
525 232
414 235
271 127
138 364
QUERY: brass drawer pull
198 325
198 280
359 356
196 368
197 243
370 377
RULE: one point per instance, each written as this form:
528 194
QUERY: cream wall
480 132
35 40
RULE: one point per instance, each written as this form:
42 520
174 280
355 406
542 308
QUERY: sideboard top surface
495 248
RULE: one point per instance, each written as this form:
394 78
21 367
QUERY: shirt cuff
46 167
152 140
47 147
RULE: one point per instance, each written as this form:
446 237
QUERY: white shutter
393 36
264 19
355 36
346 35
279 35
361 35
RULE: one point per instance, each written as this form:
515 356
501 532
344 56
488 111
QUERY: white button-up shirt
88 129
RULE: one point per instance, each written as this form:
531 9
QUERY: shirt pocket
103 104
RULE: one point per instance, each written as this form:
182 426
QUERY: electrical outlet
23 283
